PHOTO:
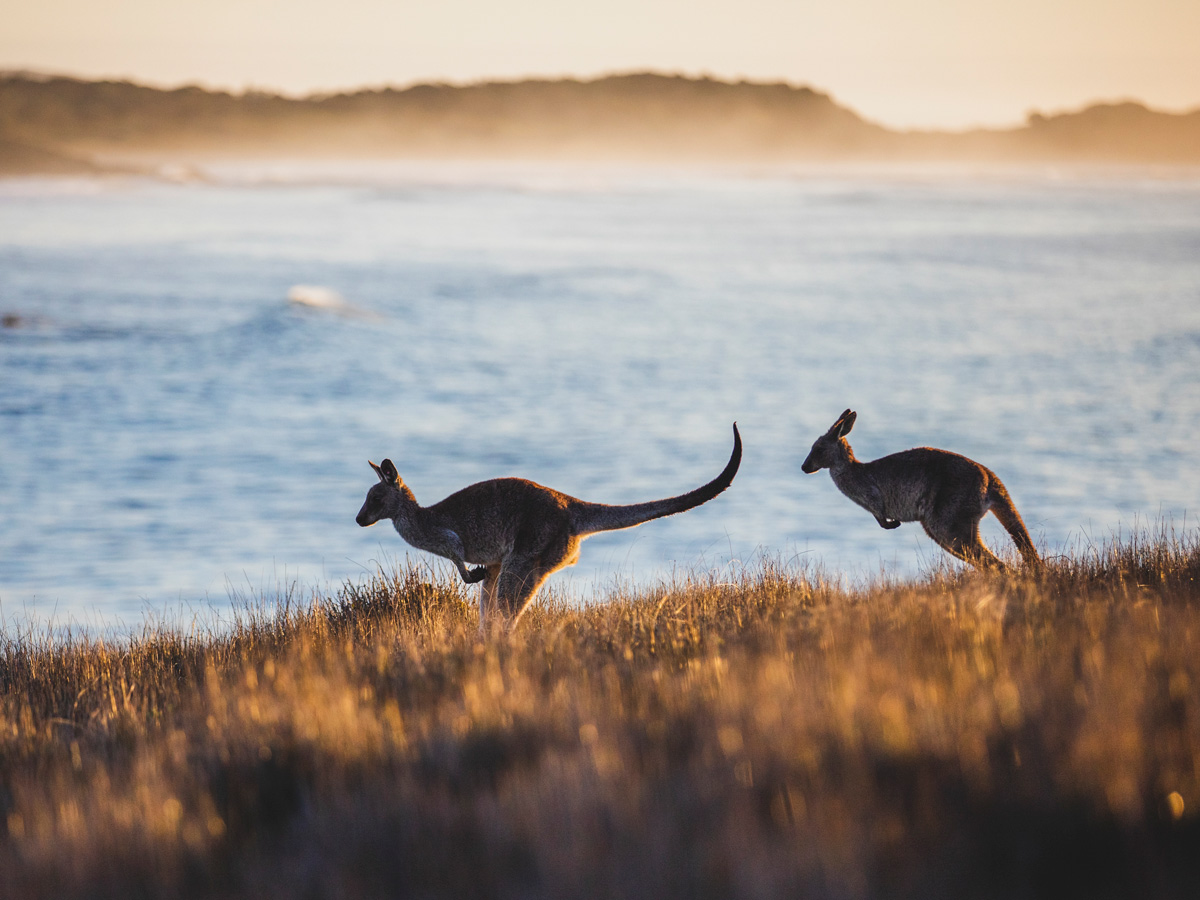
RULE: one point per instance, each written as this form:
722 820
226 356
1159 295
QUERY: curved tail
589 518
1006 512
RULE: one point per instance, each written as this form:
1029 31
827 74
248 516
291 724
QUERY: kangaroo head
382 499
831 447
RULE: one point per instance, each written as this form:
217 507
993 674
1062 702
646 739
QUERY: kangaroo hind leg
960 537
524 575
519 582
488 596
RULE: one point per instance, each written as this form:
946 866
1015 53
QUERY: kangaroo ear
388 473
846 422
834 429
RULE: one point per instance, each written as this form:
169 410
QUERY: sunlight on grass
769 734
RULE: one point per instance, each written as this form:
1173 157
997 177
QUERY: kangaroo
517 532
947 493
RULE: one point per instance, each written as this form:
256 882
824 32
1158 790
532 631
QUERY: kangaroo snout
374 507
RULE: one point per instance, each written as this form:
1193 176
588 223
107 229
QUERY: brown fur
517 532
947 493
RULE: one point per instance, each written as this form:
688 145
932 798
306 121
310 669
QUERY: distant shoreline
554 174
59 125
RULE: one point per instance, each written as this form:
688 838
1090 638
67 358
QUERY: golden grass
959 736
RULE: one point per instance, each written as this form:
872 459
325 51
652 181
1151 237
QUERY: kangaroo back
589 518
1006 512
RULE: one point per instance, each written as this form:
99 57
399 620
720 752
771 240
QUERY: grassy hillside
642 116
959 736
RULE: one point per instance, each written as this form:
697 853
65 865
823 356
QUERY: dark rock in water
11 320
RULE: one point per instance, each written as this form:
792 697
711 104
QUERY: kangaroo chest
890 498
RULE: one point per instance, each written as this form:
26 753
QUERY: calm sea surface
175 434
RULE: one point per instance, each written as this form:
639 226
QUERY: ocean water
176 434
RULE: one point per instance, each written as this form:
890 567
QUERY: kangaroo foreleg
872 501
469 576
450 546
472 576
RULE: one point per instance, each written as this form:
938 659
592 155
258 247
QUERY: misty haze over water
173 428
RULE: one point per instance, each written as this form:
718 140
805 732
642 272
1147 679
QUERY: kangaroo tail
589 518
1006 512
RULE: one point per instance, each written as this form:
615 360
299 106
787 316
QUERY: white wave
315 295
326 299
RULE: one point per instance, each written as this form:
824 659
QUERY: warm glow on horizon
926 63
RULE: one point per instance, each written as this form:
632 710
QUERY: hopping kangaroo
947 493
517 532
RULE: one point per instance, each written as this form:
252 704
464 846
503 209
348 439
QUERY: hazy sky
913 63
